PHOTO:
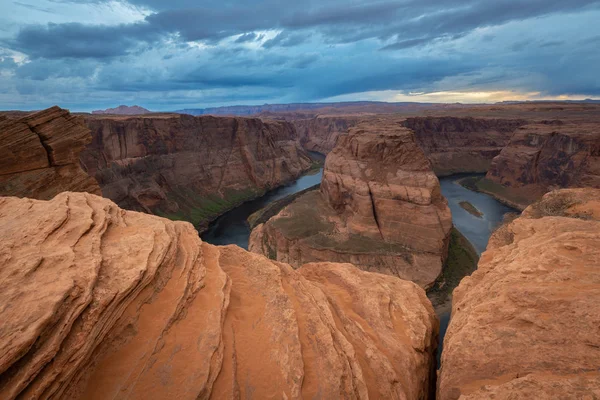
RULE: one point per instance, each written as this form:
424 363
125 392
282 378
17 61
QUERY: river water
232 227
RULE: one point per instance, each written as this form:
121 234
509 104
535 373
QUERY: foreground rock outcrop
526 324
98 302
458 145
191 168
542 157
380 207
39 155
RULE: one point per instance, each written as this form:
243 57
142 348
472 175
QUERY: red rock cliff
526 324
320 133
545 156
39 155
458 145
192 168
98 302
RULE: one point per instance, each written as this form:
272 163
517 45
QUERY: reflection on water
232 227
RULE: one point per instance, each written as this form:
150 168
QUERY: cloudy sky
171 54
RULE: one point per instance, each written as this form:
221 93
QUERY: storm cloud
184 53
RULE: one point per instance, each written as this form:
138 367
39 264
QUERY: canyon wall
191 168
39 154
380 207
545 156
459 145
98 302
320 133
453 145
526 324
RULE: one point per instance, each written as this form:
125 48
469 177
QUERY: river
232 227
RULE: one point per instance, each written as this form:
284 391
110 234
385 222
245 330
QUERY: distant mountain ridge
123 110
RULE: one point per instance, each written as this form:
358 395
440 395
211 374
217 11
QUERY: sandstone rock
526 324
320 133
380 207
192 168
39 155
545 156
458 145
98 302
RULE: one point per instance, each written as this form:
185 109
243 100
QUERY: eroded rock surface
380 207
39 155
320 133
459 145
191 168
98 302
526 324
545 156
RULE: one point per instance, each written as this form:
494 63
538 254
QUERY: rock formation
320 133
380 207
192 168
453 145
124 110
526 324
459 145
545 156
39 155
98 302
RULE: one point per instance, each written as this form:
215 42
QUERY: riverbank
462 261
483 185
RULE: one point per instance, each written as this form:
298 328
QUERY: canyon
379 207
190 168
99 302
39 154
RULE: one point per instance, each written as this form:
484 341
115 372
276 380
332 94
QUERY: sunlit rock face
39 154
526 323
99 302
379 207
190 168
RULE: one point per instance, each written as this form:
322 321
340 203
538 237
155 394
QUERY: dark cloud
217 51
405 44
285 39
75 40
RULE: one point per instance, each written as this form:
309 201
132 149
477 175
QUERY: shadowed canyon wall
545 156
192 168
98 302
526 324
380 207
458 145
39 154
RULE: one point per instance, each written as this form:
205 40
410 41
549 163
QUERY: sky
168 55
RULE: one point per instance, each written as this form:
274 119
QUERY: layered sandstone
192 168
39 155
320 133
380 207
545 156
458 145
526 324
98 302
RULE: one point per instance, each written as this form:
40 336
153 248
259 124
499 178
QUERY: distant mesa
123 110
